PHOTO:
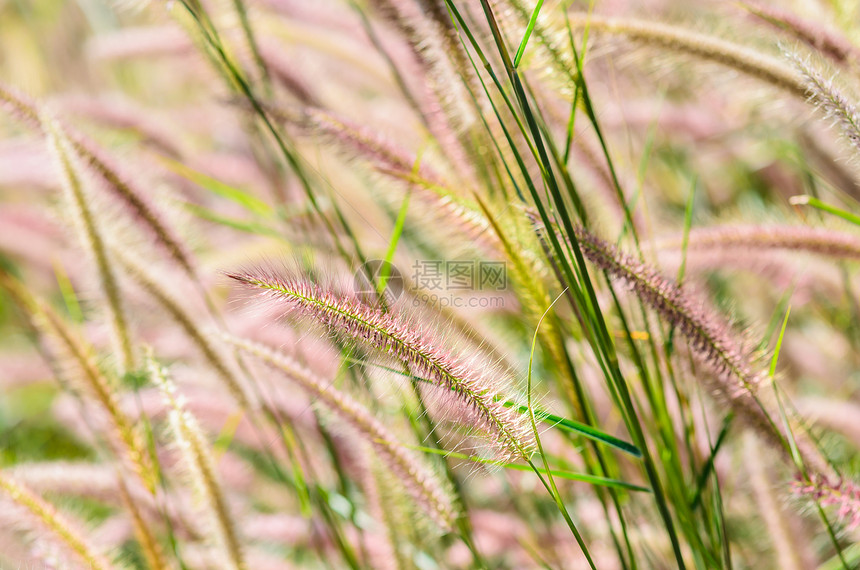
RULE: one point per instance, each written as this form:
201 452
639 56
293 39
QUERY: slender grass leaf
825 207
248 201
569 475
579 428
241 225
529 29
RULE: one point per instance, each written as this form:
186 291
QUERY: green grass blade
772 370
529 29
569 475
793 444
574 426
385 270
240 225
688 223
825 207
248 201
550 483
708 468
67 290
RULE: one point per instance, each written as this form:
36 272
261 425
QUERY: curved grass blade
248 201
584 430
825 207
240 225
569 475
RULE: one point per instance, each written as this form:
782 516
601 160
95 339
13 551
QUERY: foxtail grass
822 39
197 456
709 335
419 349
832 103
149 546
384 156
802 239
502 105
134 200
94 243
736 377
446 111
87 374
679 40
89 156
425 488
20 107
44 514
841 494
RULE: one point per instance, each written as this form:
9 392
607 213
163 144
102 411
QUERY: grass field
429 284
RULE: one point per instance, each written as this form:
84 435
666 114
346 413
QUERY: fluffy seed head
197 455
827 41
680 40
708 335
43 514
823 241
829 100
418 348
710 338
844 495
424 486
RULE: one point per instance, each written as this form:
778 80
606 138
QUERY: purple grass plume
842 494
418 347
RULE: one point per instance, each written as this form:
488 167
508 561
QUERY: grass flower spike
678 39
415 347
197 454
709 335
821 241
421 483
94 243
76 545
843 495
825 40
831 101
